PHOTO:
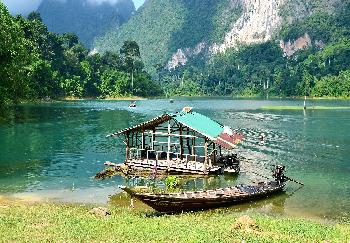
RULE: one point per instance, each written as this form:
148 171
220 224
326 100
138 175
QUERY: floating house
185 143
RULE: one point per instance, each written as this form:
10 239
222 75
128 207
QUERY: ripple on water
59 147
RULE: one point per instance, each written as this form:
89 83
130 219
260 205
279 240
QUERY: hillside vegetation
162 27
38 64
320 68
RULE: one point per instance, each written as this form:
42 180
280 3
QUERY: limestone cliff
258 23
172 32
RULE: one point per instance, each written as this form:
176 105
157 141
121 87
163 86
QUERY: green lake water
53 150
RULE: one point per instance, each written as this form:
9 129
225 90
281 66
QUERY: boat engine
278 173
230 161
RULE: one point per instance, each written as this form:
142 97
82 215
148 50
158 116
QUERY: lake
52 151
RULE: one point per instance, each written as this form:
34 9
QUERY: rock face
290 47
259 21
181 56
174 32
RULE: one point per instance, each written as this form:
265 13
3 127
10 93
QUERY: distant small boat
132 104
200 200
171 101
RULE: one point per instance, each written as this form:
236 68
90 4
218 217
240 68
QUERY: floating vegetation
107 173
307 108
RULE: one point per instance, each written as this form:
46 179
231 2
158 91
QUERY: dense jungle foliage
37 64
322 70
162 27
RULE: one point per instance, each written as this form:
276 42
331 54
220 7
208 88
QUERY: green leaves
333 86
37 64
13 57
114 84
172 184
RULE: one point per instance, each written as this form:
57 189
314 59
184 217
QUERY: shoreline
308 107
46 221
137 98
126 98
121 198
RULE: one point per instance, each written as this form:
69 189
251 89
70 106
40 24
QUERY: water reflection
192 183
48 149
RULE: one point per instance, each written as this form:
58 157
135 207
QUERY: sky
26 6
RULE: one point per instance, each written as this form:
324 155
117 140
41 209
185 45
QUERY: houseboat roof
214 131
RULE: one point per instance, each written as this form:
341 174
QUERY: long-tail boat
185 142
201 200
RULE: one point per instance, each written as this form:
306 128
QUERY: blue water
53 150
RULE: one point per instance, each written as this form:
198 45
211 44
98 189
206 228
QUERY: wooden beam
188 141
206 155
168 154
214 156
193 146
127 147
136 139
132 139
181 142
152 138
174 135
143 139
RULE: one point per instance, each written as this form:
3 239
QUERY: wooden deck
175 166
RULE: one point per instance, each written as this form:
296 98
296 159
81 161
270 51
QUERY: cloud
102 1
26 6
22 6
138 3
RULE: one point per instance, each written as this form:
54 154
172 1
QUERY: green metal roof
223 136
193 120
200 123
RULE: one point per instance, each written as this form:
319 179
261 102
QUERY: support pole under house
205 155
168 154
127 149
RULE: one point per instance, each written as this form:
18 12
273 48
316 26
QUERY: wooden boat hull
201 200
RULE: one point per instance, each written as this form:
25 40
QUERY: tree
34 16
130 53
35 64
114 84
13 57
69 40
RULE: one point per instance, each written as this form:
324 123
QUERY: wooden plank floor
191 167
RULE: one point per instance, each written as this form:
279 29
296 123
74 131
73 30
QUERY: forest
36 64
162 27
321 70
